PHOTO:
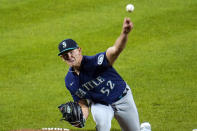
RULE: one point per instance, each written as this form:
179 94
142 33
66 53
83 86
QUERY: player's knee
102 116
103 123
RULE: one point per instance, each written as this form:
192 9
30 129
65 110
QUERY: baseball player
92 79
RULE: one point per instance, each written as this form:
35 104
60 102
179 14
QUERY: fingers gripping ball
72 113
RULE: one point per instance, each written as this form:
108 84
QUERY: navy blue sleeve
72 89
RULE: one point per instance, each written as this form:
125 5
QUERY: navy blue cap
66 45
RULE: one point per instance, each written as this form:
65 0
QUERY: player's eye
65 56
71 52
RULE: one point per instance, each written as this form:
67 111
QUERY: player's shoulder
95 55
99 57
70 80
69 75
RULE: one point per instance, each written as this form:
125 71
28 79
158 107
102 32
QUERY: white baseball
130 8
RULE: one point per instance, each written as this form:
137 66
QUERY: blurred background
159 62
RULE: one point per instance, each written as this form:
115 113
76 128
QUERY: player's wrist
124 34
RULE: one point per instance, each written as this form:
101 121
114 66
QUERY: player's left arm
113 52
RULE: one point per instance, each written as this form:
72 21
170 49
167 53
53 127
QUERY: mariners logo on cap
64 44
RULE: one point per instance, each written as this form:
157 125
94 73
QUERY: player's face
73 57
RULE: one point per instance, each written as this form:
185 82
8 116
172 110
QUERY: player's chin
72 64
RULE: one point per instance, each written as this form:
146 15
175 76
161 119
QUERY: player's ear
79 49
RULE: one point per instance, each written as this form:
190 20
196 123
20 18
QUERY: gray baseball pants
124 111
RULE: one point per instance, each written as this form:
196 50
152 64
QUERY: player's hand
127 26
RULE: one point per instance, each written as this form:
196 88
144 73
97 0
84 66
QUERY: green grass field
159 62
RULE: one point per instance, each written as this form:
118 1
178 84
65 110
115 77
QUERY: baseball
130 8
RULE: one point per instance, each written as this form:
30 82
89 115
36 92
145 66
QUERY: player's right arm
113 52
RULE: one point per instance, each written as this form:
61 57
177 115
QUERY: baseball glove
72 113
